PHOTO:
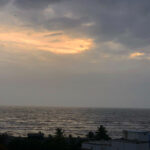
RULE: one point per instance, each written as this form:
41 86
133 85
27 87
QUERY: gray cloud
103 76
34 4
4 2
123 21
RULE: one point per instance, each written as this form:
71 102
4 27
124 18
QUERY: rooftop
136 131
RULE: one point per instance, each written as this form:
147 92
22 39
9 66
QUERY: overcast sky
87 53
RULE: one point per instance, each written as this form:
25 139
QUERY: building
143 136
96 145
131 140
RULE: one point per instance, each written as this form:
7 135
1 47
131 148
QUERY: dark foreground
37 141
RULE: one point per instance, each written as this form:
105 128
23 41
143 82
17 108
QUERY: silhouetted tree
59 133
101 133
90 135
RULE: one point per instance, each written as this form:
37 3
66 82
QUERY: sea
19 121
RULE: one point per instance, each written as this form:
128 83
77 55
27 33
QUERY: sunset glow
55 42
136 54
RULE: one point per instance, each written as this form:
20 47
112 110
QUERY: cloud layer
120 21
108 42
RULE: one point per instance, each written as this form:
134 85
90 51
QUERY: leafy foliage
57 142
100 134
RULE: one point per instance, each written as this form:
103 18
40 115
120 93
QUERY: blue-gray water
19 121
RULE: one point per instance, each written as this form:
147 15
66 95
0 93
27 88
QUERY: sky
79 53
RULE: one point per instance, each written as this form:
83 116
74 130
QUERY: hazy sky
93 53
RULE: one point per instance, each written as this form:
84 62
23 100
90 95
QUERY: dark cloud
64 23
34 4
4 2
122 21
126 22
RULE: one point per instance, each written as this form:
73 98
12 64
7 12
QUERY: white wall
95 147
133 135
119 145
90 146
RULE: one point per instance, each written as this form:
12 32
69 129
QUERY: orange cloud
55 42
136 54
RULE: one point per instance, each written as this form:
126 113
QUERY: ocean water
19 121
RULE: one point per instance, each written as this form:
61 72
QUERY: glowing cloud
136 54
56 42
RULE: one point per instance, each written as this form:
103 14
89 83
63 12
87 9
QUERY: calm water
19 121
